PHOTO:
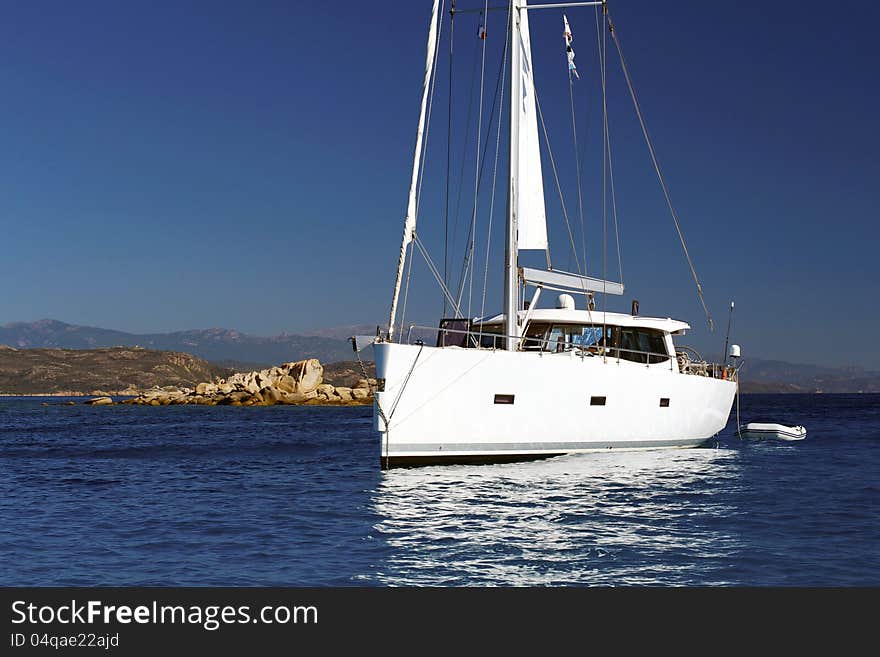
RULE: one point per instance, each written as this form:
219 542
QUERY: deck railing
687 359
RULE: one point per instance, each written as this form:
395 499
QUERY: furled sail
409 225
530 213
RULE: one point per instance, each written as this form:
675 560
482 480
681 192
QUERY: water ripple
293 496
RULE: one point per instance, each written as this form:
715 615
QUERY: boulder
297 397
264 379
235 398
292 383
271 396
344 393
360 393
325 389
286 383
206 388
99 401
308 374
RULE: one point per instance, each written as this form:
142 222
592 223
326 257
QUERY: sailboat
530 382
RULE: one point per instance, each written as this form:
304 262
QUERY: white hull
440 404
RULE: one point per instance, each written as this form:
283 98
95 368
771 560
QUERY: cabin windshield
642 345
635 344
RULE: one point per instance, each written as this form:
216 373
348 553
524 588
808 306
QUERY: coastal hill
128 371
116 370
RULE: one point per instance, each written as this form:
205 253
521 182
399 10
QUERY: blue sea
293 496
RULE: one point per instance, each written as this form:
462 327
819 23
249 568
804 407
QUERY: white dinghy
760 430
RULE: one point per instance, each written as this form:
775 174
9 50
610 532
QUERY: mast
409 226
511 301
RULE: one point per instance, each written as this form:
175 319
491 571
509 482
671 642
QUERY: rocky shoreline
295 383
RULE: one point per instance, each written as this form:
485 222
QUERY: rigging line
405 382
464 143
604 170
607 133
452 384
632 94
577 163
473 230
499 80
589 113
448 149
436 273
461 177
614 204
465 255
558 187
405 295
494 180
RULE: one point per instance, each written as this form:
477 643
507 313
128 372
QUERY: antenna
727 337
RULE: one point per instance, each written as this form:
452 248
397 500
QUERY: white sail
530 214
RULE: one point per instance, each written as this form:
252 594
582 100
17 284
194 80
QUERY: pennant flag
482 30
568 51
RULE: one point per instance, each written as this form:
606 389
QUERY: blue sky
166 166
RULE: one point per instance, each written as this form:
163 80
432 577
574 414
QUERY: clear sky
174 165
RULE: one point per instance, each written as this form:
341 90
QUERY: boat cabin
639 339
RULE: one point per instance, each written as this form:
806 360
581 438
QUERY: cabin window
503 399
486 337
597 401
636 344
642 345
664 402
556 340
535 336
453 332
563 337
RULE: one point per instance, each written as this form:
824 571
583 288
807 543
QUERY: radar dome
565 302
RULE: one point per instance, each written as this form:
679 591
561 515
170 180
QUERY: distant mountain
759 375
219 345
343 332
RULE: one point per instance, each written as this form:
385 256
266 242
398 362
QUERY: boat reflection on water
616 518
